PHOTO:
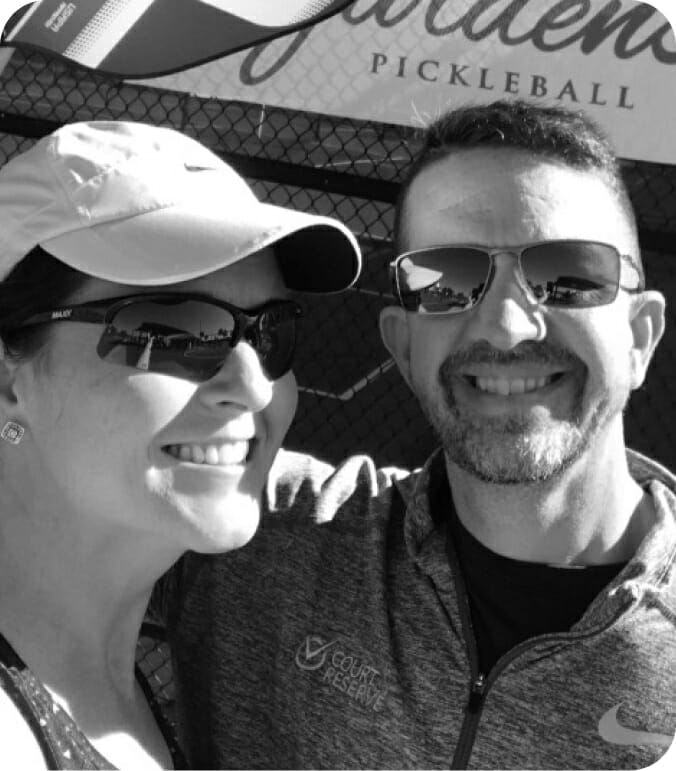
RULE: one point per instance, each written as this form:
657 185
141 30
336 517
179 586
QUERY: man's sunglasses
186 335
565 274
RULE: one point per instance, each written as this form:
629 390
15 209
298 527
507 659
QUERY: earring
12 432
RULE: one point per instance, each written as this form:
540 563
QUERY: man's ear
396 335
647 326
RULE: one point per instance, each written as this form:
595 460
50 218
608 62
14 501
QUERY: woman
145 387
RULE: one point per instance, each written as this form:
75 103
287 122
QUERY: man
512 604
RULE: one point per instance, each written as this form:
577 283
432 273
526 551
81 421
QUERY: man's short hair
557 133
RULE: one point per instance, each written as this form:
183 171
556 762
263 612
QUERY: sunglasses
186 335
565 274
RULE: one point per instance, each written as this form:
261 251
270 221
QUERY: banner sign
138 38
405 61
391 61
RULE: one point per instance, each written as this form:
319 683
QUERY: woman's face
125 445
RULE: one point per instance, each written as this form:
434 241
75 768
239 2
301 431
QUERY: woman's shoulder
19 747
35 729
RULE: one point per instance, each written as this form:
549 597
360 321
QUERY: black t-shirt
512 600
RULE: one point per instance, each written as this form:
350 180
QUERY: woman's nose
241 380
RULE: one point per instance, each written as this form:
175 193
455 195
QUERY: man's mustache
527 352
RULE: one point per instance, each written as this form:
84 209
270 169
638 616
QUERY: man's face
517 391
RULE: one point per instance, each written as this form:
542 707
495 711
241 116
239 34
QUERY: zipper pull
476 695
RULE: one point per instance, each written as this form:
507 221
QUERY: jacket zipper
463 748
481 682
470 723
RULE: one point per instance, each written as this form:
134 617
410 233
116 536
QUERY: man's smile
491 390
505 384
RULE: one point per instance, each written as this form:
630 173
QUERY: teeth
233 453
230 453
517 385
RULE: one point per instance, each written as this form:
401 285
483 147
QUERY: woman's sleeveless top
63 744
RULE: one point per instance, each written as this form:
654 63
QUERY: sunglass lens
443 279
186 338
276 339
572 273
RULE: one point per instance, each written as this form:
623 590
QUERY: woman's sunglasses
566 274
186 335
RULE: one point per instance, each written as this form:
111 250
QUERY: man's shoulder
657 552
311 509
645 470
661 483
318 491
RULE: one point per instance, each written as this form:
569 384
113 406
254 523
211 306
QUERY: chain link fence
351 397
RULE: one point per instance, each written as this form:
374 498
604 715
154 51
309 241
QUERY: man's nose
240 381
507 313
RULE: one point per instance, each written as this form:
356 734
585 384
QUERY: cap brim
192 238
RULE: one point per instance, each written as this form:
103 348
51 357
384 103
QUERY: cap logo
194 167
66 314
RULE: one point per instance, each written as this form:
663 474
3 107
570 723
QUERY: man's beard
519 448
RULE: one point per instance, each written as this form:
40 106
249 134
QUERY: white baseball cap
143 205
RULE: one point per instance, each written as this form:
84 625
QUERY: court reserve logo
342 665
311 653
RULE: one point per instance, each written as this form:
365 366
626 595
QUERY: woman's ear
396 335
647 326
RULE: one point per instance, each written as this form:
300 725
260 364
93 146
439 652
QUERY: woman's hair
37 283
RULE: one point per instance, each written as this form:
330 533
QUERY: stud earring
12 432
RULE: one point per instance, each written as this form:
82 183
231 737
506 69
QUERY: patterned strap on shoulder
63 744
21 703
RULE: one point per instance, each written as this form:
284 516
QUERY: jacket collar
651 568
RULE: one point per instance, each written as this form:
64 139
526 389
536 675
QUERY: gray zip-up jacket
339 637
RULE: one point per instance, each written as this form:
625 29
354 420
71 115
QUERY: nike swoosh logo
611 731
194 167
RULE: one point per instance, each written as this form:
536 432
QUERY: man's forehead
505 196
468 179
